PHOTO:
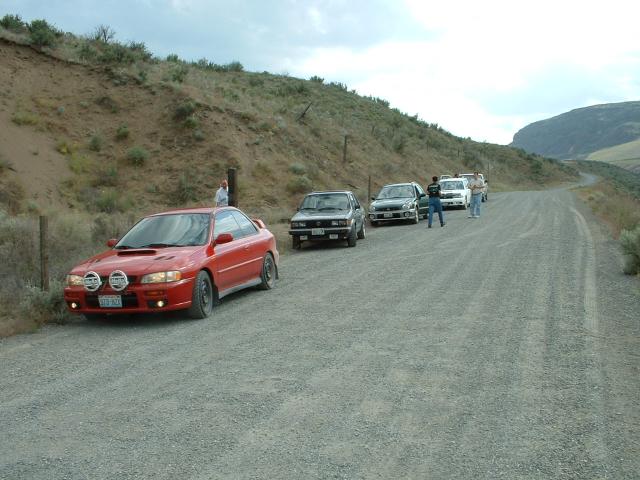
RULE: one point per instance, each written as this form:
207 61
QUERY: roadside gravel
499 347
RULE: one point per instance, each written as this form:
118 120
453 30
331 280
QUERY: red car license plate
110 301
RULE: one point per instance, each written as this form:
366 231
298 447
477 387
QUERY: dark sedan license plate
110 301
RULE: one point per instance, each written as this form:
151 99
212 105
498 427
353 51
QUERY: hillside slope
580 132
625 155
129 132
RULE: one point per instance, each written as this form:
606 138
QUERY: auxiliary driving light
160 304
74 305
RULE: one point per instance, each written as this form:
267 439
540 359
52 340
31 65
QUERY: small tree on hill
104 34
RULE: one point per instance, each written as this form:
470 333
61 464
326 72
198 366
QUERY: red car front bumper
136 298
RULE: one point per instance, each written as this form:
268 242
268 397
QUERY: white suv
455 192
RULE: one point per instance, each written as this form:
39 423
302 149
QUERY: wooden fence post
233 187
344 150
44 254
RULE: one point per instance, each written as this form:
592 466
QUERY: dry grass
617 209
72 237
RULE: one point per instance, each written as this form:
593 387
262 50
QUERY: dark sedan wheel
416 219
296 243
362 233
202 298
269 273
352 238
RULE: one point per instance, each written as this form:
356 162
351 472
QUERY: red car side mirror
112 242
223 238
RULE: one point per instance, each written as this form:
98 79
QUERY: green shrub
106 177
256 81
173 58
137 156
42 34
178 73
122 132
191 122
300 184
108 103
630 242
45 306
79 163
116 53
96 142
399 143
288 89
13 23
184 192
199 135
12 195
316 79
87 53
297 168
25 118
111 201
184 110
4 165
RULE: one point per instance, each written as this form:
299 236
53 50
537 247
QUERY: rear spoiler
259 223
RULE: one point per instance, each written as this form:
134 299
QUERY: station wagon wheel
202 297
362 233
269 272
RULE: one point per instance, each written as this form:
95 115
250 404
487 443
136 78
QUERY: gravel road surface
500 347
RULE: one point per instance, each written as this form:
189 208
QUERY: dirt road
499 347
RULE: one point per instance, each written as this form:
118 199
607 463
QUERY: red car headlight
162 277
75 281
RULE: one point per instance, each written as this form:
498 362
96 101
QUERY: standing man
222 196
434 201
476 185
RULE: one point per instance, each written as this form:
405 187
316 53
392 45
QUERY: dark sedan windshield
177 230
396 191
326 201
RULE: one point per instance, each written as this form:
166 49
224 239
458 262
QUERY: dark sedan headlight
340 223
407 205
372 208
298 224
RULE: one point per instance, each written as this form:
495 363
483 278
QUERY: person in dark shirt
434 201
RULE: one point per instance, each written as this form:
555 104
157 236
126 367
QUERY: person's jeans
476 199
435 204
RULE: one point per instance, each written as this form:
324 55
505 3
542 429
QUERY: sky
479 69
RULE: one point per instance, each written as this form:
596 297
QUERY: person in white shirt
222 196
476 185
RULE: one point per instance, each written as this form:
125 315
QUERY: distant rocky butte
584 131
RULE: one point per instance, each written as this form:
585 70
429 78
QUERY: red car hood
140 261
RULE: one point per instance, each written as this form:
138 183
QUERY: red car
181 259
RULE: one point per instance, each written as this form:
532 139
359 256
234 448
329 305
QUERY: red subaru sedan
181 259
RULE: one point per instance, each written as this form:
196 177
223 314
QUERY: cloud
479 69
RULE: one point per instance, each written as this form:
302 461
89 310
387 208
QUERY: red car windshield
174 230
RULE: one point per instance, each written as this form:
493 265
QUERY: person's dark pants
435 205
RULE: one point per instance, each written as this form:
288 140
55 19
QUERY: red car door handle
246 247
